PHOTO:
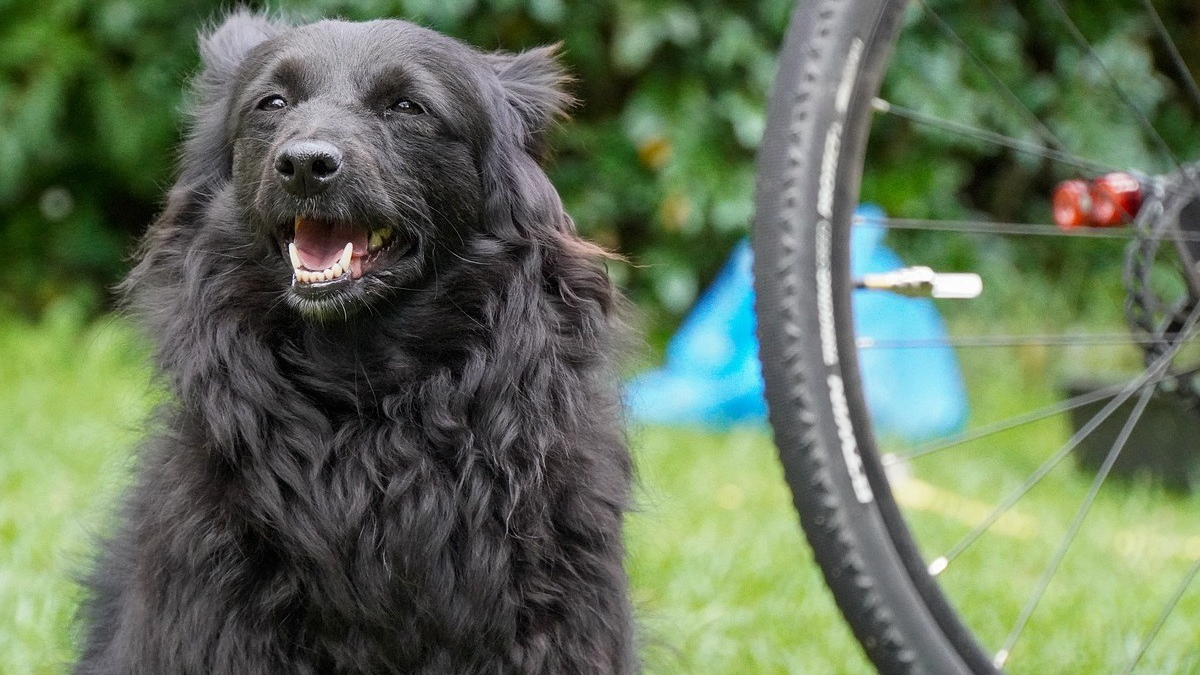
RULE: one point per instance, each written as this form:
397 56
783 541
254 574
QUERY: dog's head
362 154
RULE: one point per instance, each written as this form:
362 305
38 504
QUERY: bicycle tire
832 68
831 64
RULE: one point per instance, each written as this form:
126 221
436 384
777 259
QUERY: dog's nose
307 167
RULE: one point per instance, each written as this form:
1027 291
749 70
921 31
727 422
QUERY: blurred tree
658 162
89 112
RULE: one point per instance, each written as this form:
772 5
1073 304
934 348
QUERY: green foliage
89 98
658 161
656 164
917 171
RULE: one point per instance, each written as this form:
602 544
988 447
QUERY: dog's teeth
375 242
334 271
294 255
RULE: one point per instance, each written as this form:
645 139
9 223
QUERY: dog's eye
407 107
273 102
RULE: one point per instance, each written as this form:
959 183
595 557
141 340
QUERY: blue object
914 392
712 375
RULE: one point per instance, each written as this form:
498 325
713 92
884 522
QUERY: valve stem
924 282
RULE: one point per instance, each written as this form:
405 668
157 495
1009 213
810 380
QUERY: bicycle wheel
979 549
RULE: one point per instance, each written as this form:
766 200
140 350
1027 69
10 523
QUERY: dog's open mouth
324 252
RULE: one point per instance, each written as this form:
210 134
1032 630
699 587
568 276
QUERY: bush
657 164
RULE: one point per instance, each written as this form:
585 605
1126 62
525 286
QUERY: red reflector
1116 198
1108 201
1072 204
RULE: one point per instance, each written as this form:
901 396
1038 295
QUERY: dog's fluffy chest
371 549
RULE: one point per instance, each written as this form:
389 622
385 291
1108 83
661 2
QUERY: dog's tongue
320 243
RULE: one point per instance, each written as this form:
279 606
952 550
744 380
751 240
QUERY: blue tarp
711 375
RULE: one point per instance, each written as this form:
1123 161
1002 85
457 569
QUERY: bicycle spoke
1046 340
941 563
1189 82
1017 229
1073 529
1150 377
1007 424
1017 103
1138 115
887 107
1000 426
1162 617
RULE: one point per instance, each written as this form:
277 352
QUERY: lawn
723 581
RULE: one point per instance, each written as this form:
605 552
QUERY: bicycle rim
1042 535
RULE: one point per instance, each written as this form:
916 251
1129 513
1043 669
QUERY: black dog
395 445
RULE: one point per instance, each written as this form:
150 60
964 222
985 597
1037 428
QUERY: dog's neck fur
473 334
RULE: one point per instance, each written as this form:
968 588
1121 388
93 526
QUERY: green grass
1135 546
721 574
723 582
72 402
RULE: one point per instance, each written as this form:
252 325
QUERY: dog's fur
422 471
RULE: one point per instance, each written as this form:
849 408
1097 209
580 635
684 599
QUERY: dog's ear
523 206
222 51
534 84
532 96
